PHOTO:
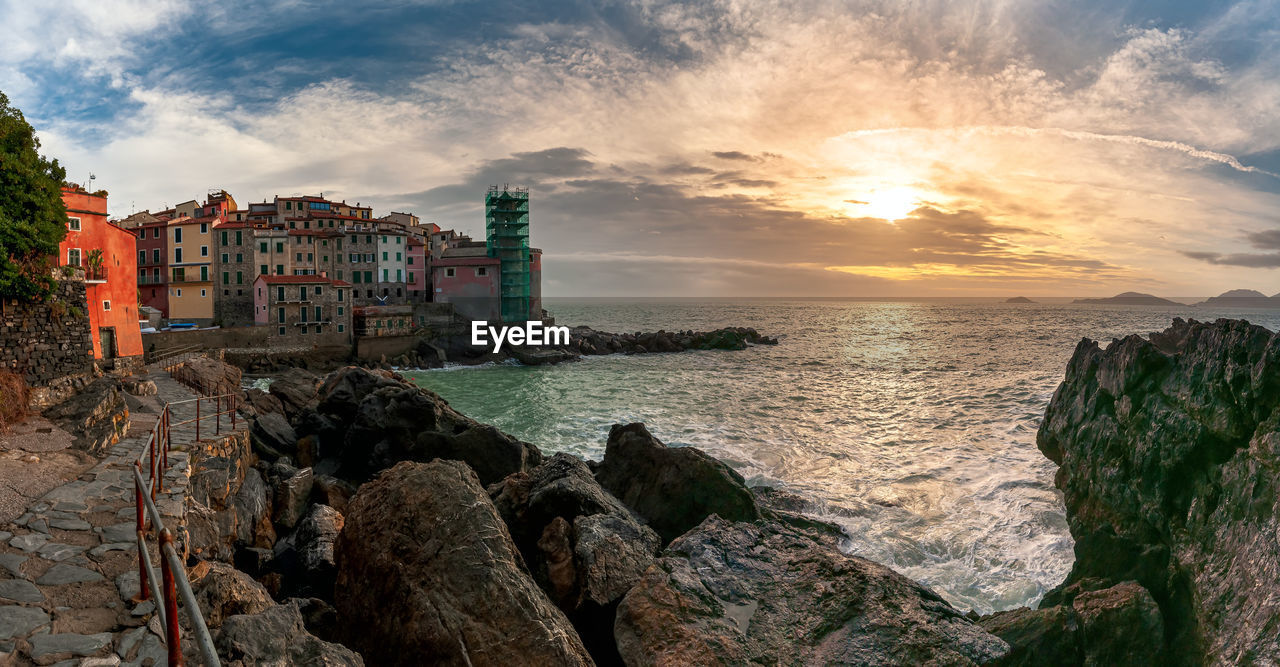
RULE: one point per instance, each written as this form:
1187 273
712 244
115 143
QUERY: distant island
1018 299
1132 299
1243 298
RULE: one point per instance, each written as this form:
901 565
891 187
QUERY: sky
721 148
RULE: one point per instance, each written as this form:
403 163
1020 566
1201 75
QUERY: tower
507 237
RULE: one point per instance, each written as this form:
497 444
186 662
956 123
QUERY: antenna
90 182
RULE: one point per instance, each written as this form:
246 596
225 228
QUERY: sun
893 203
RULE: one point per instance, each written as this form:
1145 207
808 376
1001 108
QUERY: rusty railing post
152 471
217 418
173 632
197 420
143 591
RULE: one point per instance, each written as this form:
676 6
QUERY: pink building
470 283
419 286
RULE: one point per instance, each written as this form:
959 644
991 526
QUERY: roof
295 280
466 261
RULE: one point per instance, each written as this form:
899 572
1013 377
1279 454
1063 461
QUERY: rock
1120 625
273 437
47 648
139 387
769 593
333 492
13 563
296 388
253 510
62 573
223 591
314 542
673 488
29 542
443 580
1170 464
261 402
20 590
369 421
97 415
582 544
1036 637
291 498
209 376
277 636
20 621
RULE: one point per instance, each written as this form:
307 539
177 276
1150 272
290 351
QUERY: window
73 257
279 269
299 259
368 276
302 293
142 256
304 327
448 273
204 228
280 293
368 238
179 291
204 273
340 298
399 240
318 317
384 256
311 257
482 271
399 257
340 311
280 315
262 246
410 260
155 233
106 305
355 276
177 255
226 277
384 238
238 237
302 313
339 274
224 240
279 246
385 277
226 258
281 331
177 235
204 251
319 290
239 257
203 294
73 224
155 255
263 270
399 276
239 277
341 328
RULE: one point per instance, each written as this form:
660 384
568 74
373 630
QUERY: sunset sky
947 147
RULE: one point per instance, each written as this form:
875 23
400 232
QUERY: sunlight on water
913 423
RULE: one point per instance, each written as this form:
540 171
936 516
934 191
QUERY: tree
33 219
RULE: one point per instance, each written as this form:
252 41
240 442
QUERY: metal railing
172 582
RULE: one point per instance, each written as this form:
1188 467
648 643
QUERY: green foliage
33 219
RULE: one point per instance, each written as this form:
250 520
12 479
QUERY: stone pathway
69 565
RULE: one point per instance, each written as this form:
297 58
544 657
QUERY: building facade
303 308
105 256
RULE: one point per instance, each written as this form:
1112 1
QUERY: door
107 339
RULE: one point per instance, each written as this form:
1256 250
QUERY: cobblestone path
69 565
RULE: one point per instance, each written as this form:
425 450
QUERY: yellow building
191 255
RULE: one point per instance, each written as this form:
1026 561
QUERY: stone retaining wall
49 341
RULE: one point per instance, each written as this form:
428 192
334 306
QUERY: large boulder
427 571
292 494
296 389
1169 450
584 547
97 415
273 436
223 591
366 421
210 376
673 488
258 402
772 593
278 637
313 543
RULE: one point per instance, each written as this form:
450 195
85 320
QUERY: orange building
107 257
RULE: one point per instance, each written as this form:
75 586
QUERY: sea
910 423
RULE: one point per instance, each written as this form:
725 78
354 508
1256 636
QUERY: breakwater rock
413 534
1169 448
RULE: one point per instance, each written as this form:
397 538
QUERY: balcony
150 280
179 279
95 275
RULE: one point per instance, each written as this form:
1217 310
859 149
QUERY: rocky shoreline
392 529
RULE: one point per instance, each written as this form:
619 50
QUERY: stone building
303 308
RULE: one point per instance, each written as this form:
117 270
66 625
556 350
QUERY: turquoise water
913 423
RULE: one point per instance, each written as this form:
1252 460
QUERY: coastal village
294 271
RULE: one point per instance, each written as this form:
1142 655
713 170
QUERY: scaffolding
506 217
